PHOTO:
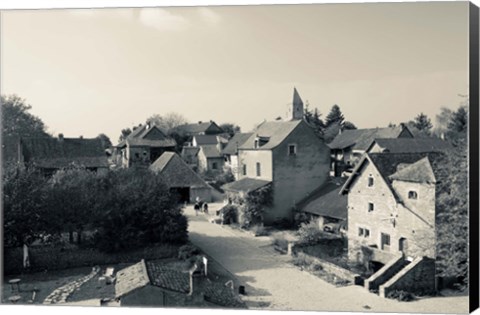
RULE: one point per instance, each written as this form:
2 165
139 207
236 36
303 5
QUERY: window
256 144
370 181
371 207
259 169
214 166
412 194
292 149
364 232
367 233
386 239
244 169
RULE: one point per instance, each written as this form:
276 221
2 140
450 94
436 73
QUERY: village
295 214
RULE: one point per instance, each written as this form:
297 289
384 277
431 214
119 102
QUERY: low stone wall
338 271
385 273
418 277
54 258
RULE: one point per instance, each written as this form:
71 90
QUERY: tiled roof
56 153
210 151
205 139
274 131
246 185
198 128
419 172
412 145
138 137
131 278
166 277
175 172
360 139
326 201
237 140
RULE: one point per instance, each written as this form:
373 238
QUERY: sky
92 71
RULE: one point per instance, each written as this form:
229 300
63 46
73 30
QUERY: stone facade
293 176
388 220
417 277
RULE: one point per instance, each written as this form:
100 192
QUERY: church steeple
296 111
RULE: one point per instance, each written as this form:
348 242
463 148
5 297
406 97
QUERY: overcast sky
88 71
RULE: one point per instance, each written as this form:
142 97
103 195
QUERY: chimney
60 137
198 282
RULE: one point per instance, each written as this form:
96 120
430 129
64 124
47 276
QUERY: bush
230 213
259 230
309 233
283 224
401 295
187 251
299 218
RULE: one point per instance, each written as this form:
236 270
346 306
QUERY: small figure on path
205 208
196 207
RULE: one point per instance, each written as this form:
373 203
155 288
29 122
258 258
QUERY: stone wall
338 271
385 273
418 277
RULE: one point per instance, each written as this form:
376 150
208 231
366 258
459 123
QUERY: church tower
295 112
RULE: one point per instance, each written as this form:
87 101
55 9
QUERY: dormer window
292 149
412 194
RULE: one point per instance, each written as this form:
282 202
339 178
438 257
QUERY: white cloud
162 20
209 15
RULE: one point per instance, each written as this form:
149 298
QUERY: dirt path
271 282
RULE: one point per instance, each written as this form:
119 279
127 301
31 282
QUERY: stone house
392 217
230 152
210 159
181 179
144 145
289 155
349 145
153 284
52 154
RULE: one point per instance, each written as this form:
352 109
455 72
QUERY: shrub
187 251
299 218
309 233
259 230
401 295
230 213
283 224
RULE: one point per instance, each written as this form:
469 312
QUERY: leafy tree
73 196
348 126
106 143
313 118
331 132
459 121
335 116
124 134
17 121
452 209
442 120
138 210
230 128
422 123
168 121
24 206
